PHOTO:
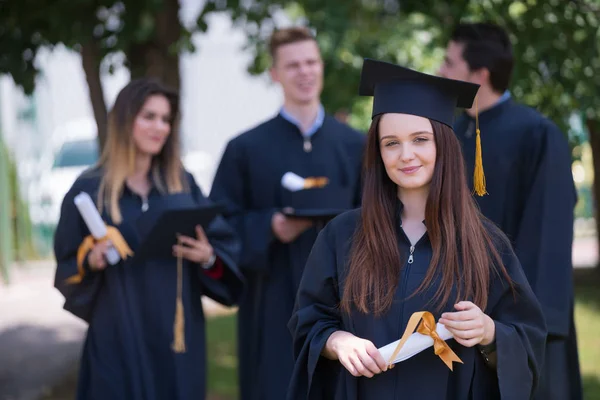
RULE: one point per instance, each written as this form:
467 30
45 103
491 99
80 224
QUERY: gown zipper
307 144
144 203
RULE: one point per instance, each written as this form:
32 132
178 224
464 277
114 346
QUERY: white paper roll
95 224
292 182
415 344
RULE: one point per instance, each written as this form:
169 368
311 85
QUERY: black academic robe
520 330
248 182
532 196
130 307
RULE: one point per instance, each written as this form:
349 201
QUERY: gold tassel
478 174
178 328
179 324
315 182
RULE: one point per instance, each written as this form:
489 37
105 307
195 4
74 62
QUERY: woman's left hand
196 250
469 325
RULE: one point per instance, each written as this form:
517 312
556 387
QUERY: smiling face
299 69
408 150
152 125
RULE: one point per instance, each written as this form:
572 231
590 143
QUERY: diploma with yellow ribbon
427 334
99 232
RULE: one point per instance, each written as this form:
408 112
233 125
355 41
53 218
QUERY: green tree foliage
147 32
556 47
556 43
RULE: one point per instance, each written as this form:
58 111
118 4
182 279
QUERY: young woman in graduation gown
418 243
137 345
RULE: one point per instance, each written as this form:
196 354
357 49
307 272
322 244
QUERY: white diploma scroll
95 224
292 182
415 344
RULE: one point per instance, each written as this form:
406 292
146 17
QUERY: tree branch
90 60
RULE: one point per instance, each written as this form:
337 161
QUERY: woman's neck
413 213
138 180
414 203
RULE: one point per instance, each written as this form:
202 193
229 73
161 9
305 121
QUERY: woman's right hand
359 356
96 256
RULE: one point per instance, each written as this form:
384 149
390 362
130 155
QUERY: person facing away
130 306
418 243
303 140
531 195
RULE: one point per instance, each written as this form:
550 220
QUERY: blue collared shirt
505 96
318 123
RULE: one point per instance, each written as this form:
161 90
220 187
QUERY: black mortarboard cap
159 231
397 89
318 203
401 90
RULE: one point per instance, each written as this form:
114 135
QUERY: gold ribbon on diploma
315 182
87 245
426 327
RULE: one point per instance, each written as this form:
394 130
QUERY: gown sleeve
227 284
315 318
69 234
231 188
520 328
545 236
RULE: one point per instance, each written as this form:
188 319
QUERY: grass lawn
222 378
587 319
222 359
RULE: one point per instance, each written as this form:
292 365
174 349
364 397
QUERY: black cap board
161 232
318 203
396 89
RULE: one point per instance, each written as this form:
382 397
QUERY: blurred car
73 157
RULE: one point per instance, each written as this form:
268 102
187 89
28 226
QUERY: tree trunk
594 136
158 57
90 60
136 59
168 30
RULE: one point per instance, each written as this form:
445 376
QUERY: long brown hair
118 156
463 250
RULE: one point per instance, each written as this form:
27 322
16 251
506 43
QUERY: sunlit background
48 137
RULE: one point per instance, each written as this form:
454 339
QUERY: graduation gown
130 307
520 330
531 197
248 182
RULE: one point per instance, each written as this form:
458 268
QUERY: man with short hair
530 190
303 140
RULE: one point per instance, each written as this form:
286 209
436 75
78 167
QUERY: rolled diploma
292 182
95 224
416 343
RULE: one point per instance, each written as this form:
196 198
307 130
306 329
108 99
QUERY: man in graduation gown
302 140
530 191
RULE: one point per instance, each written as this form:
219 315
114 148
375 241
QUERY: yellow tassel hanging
178 329
478 174
179 324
